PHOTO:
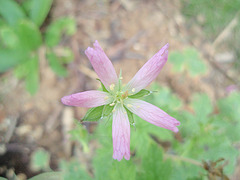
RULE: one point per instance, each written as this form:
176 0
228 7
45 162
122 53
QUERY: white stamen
133 89
112 86
125 112
106 97
113 110
121 78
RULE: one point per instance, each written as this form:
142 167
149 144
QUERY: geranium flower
121 98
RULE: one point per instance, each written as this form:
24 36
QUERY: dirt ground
130 32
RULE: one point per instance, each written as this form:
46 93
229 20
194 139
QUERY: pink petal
152 114
149 71
121 134
102 65
87 99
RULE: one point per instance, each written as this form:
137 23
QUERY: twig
179 158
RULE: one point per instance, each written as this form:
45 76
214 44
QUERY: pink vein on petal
102 65
149 71
152 114
91 98
121 134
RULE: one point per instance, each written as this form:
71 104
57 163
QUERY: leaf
39 11
8 37
48 176
57 28
73 170
202 106
11 11
11 58
140 94
29 35
93 114
40 160
32 79
56 65
177 59
153 165
107 110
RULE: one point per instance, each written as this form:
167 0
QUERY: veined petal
149 71
120 134
102 65
87 99
152 114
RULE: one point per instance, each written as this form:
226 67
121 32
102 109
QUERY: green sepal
96 113
130 116
93 114
140 94
102 85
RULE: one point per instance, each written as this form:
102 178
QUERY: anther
133 89
106 97
112 86
113 110
121 78
129 105
112 104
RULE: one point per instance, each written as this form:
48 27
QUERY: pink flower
118 97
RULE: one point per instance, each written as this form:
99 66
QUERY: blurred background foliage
203 61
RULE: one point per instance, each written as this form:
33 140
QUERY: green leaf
93 114
11 11
10 58
102 85
29 35
56 65
32 79
202 106
107 110
40 160
48 176
39 11
8 37
57 28
140 94
153 165
73 170
177 59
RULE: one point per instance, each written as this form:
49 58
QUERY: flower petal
87 99
152 114
120 134
149 71
102 65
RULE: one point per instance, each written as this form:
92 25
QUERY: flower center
117 94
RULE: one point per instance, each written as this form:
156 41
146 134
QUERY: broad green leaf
10 58
73 170
8 37
195 65
32 79
140 94
40 160
39 11
29 35
153 165
48 176
11 11
56 65
57 29
177 60
202 106
93 114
